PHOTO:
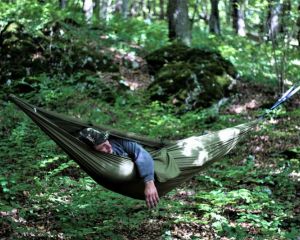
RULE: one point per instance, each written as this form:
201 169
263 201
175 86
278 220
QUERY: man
101 142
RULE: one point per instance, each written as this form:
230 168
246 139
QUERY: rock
52 51
189 77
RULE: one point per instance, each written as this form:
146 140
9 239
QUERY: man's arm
145 166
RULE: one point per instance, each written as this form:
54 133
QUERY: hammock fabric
175 162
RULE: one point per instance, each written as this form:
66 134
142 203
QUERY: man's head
96 139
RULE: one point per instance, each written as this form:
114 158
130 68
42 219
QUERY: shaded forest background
168 69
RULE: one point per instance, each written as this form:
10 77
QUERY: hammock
175 161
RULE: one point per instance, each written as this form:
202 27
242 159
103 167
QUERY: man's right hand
151 194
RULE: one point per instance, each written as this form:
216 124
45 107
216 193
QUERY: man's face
104 147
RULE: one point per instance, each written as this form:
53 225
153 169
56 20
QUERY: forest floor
251 194
267 146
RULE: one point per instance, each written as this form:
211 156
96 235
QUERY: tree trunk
118 6
179 23
195 12
149 7
125 5
143 9
228 11
154 8
273 23
104 9
298 24
62 4
162 9
285 17
88 10
214 20
134 8
238 17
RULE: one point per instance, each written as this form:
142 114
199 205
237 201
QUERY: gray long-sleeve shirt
138 154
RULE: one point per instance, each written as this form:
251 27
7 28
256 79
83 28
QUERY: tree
143 8
88 6
121 7
298 25
214 19
273 23
162 9
63 4
238 17
103 7
125 5
178 20
134 9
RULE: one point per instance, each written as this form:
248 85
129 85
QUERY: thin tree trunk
214 19
125 5
118 6
134 8
238 17
273 22
241 31
228 11
143 9
88 10
104 9
162 9
149 7
179 23
154 8
298 24
63 4
195 12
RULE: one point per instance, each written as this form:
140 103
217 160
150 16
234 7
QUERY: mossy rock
191 77
24 54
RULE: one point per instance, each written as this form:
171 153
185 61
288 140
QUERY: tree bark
125 5
104 6
228 11
298 24
238 17
162 9
88 10
273 23
179 23
214 19
149 7
285 16
143 9
118 6
134 8
154 8
63 4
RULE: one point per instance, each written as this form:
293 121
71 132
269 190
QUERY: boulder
189 77
51 51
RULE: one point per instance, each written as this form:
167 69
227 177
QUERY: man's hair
93 137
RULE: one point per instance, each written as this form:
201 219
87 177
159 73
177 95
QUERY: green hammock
175 162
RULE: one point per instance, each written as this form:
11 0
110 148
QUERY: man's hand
151 194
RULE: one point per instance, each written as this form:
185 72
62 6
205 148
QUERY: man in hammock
101 142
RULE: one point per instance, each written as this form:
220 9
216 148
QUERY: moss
25 54
194 77
223 80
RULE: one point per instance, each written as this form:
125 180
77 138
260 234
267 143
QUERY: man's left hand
151 194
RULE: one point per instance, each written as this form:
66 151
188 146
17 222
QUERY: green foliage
44 194
253 60
149 35
31 13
